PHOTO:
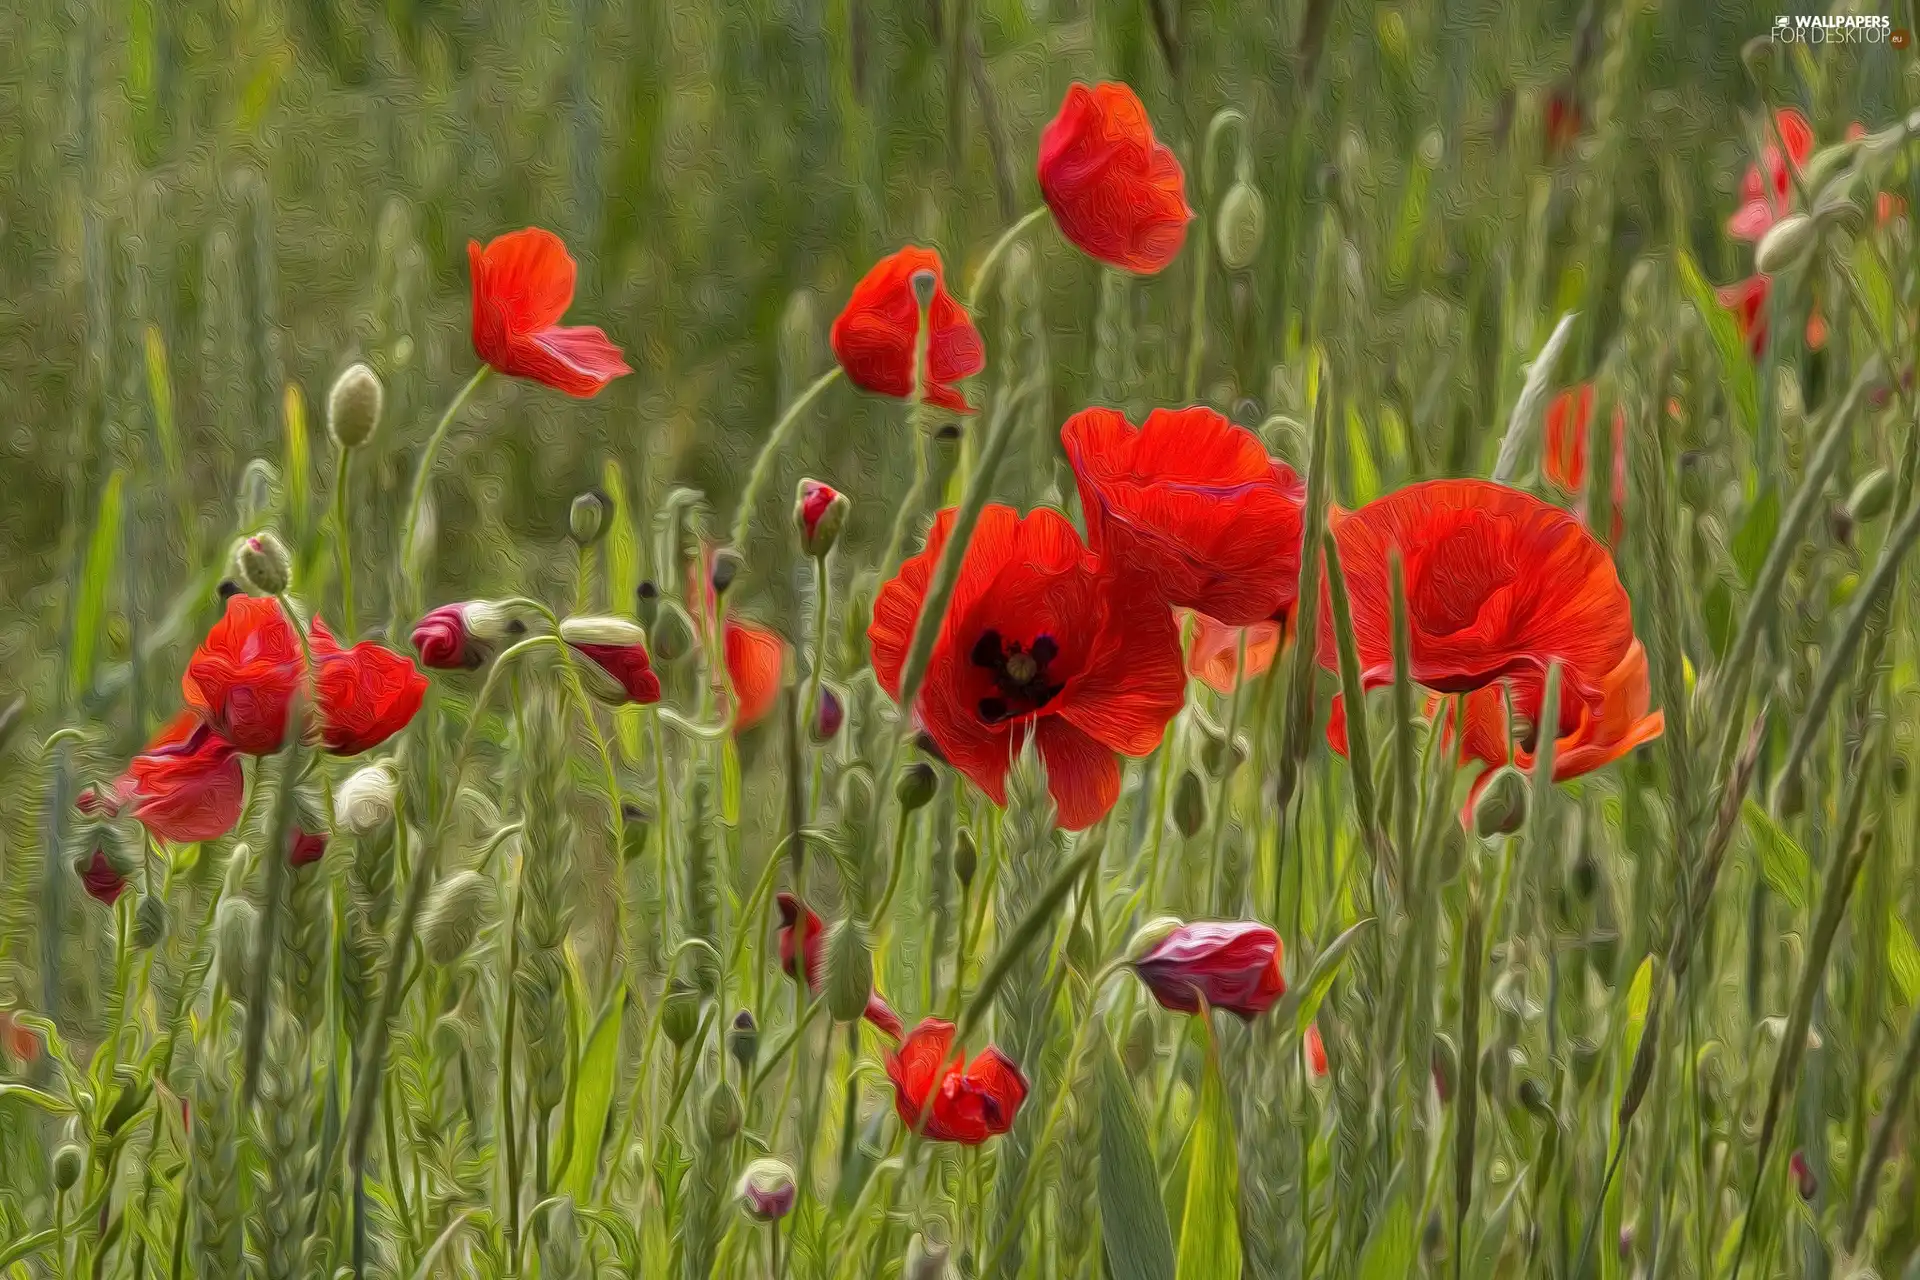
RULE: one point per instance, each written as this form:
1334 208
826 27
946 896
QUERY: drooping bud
1240 224
68 1161
1534 1098
723 1111
966 858
915 786
1786 245
743 1040
819 512
671 633
726 567
767 1190
680 1011
458 909
264 563
149 921
353 406
829 713
617 669
849 972
1502 806
1152 934
1189 804
363 804
1872 496
104 880
587 517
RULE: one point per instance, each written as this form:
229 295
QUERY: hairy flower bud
726 567
1502 806
849 972
680 1011
1786 245
966 858
459 908
767 1190
671 633
264 563
68 1162
915 786
819 511
1239 225
233 922
1872 496
829 713
587 517
1189 804
723 1111
353 406
363 804
149 921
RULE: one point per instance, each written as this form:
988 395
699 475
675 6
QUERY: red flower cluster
240 687
944 1097
794 915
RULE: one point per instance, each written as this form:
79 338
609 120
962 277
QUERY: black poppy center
1020 675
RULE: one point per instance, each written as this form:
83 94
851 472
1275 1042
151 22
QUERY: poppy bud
1231 965
1189 805
617 669
1446 1069
1898 772
1804 1180
353 406
1239 225
723 1111
1871 497
1313 1051
1586 876
1534 1098
363 804
587 517
103 880
233 922
766 1190
1787 244
646 604
829 713
726 567
926 1255
966 858
305 847
460 906
1220 756
264 563
819 511
149 921
680 1011
68 1161
743 1040
671 633
849 972
923 282
915 786
1501 808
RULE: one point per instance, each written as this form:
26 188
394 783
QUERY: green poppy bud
149 921
680 1011
1872 496
1189 804
587 517
766 1190
264 563
1502 806
743 1040
258 493
1239 225
1786 245
68 1162
966 858
671 634
460 906
726 567
646 603
353 406
723 1111
234 921
915 786
849 972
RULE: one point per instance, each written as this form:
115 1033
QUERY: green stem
985 272
410 599
342 543
763 461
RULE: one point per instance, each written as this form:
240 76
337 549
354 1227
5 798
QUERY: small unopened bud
726 567
966 858
461 906
680 1011
829 713
819 512
149 921
1445 1067
68 1161
723 1111
1872 496
1586 876
587 517
767 1190
1239 225
1502 807
849 972
646 603
363 804
1898 773
1786 245
233 921
924 283
264 563
915 786
1534 1098
743 1040
1804 1180
1152 934
353 406
671 633
1189 804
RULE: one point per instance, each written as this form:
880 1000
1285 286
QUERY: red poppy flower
1568 420
756 661
1214 651
306 847
1314 1049
879 1012
1037 640
948 1099
1227 965
243 677
522 285
1764 201
873 338
366 694
185 787
1748 302
618 670
103 881
1191 505
1498 584
1116 192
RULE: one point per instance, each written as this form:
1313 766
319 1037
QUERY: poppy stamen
1019 673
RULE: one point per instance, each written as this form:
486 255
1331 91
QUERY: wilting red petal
1114 189
522 285
874 336
1035 632
953 1100
1214 651
1231 965
1566 452
756 662
366 694
243 677
187 785
1190 506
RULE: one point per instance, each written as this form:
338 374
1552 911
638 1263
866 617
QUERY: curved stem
418 496
894 877
763 461
1197 320
985 271
342 544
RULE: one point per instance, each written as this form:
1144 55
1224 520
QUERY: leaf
166 433
1210 1223
1639 996
1303 1003
90 603
1363 472
1736 366
1388 1254
34 1097
1782 861
1903 958
1133 1218
730 782
1754 538
598 1072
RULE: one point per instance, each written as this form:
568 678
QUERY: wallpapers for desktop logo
1849 28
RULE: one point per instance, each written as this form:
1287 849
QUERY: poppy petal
756 660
